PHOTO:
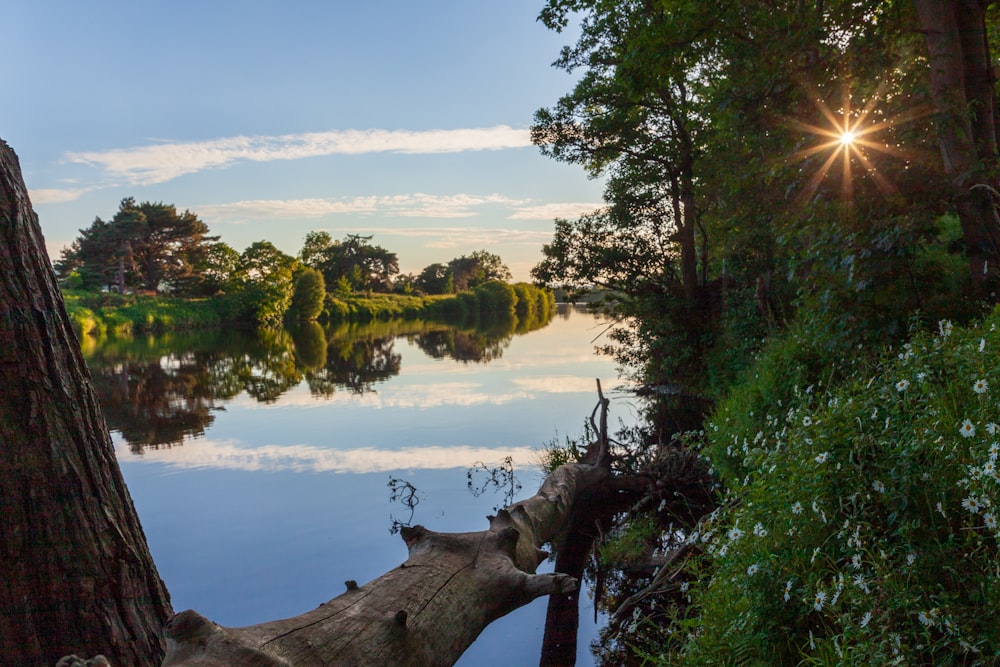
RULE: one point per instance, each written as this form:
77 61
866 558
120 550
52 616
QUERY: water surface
259 462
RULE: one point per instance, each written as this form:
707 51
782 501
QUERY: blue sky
406 120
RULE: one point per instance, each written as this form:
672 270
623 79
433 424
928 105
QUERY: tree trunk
77 576
963 92
425 612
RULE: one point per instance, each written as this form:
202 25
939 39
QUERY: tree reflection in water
158 390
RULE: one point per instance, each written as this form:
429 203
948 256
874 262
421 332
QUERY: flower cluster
864 498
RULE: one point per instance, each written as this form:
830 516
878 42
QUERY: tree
77 573
262 284
355 259
94 257
481 266
315 249
435 279
216 268
144 245
635 114
963 87
309 295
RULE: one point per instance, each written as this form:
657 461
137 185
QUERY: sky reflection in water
267 507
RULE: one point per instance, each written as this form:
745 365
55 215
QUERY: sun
851 137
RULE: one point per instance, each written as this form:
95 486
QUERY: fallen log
425 612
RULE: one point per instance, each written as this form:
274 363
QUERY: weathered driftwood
425 612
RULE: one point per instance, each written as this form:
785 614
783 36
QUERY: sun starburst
851 137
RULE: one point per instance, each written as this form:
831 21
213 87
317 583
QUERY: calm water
260 463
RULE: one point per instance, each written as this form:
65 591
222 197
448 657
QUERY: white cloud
448 206
417 205
286 208
54 195
555 210
158 163
203 453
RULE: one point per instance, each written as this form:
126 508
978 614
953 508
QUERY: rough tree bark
962 87
76 575
423 613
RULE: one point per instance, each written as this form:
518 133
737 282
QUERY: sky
408 121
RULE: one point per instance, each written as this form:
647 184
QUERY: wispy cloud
54 195
555 210
158 163
418 205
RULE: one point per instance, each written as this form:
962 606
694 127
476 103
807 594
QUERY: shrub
308 295
496 299
860 524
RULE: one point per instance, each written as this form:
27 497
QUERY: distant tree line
152 248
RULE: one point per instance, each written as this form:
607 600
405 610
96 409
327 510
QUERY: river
260 463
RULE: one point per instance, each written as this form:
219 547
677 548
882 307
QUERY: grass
93 314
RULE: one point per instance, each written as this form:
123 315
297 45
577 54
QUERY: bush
496 299
860 524
308 295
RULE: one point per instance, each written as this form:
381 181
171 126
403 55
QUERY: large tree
146 245
261 287
77 574
482 266
354 262
963 87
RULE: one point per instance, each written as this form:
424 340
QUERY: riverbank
112 314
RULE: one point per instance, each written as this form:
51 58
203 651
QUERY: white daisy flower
972 504
980 386
878 486
902 385
967 429
822 457
819 600
752 570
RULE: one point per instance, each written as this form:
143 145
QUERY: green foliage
860 521
435 279
555 453
631 543
496 299
145 246
351 264
309 295
357 308
479 267
99 314
261 289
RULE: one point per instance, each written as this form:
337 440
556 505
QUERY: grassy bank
107 313
99 314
